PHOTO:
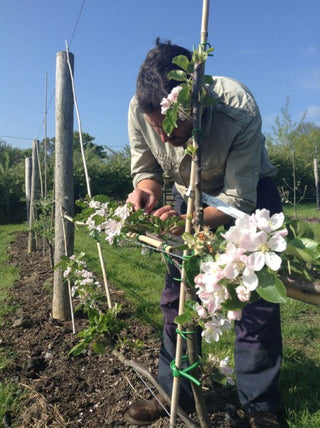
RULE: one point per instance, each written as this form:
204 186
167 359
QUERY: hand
141 198
167 211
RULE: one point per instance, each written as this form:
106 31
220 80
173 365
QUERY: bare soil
90 390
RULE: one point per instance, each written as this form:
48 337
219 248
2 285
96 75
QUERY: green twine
184 373
183 333
166 256
197 131
206 44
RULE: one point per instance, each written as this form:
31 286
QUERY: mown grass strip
10 393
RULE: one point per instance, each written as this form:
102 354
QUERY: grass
300 377
140 277
306 212
10 393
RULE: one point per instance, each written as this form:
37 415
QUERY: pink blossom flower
243 293
202 312
171 99
234 315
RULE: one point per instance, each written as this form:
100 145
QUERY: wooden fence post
316 180
64 197
28 172
34 194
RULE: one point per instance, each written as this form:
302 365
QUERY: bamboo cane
102 265
193 192
69 283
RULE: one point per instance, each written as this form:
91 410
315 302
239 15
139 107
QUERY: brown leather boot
145 412
264 420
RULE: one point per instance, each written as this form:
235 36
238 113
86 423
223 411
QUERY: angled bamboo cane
194 204
102 265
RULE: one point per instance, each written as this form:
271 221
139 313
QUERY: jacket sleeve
243 166
143 163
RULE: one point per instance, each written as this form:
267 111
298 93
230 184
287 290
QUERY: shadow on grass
300 386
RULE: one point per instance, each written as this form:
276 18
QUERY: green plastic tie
197 131
184 373
183 333
206 45
177 279
166 256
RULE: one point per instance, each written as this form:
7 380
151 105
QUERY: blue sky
273 47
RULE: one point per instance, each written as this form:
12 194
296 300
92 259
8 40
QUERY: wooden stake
28 175
193 192
102 265
64 197
34 194
69 283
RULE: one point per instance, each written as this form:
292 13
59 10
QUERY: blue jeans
258 347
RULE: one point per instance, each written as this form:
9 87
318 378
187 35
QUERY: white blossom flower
67 272
214 328
123 212
266 223
226 370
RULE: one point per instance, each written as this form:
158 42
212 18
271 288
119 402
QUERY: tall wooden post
316 181
34 194
64 197
28 172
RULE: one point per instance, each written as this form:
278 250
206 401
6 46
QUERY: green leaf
183 319
98 348
207 100
192 269
219 378
298 229
184 96
182 61
271 288
78 348
179 75
207 80
304 249
170 121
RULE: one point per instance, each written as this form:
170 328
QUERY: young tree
283 147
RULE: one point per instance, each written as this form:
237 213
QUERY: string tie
183 333
184 372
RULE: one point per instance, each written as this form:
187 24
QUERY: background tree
12 194
291 147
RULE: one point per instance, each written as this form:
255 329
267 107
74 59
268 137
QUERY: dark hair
152 81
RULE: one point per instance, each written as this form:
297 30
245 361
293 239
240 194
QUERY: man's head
153 85
152 82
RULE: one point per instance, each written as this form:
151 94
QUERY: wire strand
76 24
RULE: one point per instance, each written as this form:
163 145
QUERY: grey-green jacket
233 153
